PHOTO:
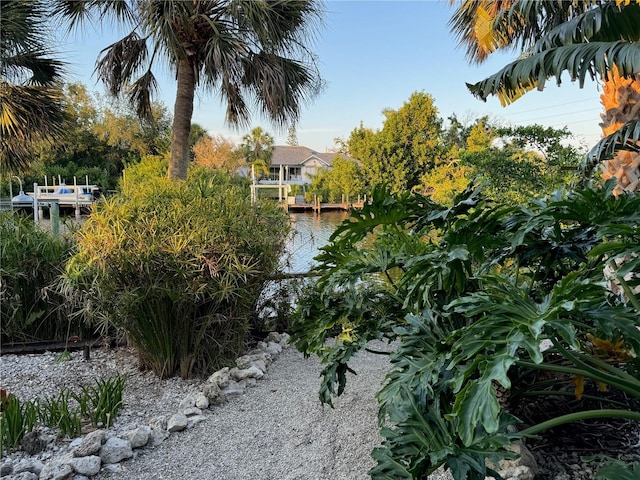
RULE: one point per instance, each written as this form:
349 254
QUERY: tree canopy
408 144
251 54
100 139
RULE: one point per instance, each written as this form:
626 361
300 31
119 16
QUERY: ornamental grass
178 266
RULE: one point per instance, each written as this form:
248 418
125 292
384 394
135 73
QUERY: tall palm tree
257 149
246 51
31 107
588 38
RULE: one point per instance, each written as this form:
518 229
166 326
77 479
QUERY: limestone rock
273 348
260 364
526 458
213 392
90 444
196 419
233 390
177 423
202 402
284 338
274 337
56 469
25 476
191 411
251 372
139 437
524 467
220 378
188 402
157 437
33 442
247 360
113 468
89 465
27 465
158 423
6 469
248 382
521 472
115 449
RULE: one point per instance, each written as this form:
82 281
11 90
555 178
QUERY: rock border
103 450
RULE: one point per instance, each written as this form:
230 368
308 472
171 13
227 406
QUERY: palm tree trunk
621 101
182 113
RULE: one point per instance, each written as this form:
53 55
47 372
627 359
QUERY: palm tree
257 150
586 38
31 107
246 51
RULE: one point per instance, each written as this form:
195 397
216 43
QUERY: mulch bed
563 452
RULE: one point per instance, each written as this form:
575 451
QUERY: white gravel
277 430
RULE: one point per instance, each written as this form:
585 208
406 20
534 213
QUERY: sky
373 55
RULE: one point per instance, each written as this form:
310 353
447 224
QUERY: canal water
310 232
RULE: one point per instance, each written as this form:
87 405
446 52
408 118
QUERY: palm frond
18 24
533 19
27 115
74 13
478 26
486 26
222 54
25 56
604 23
278 25
279 84
121 61
579 61
237 112
34 67
626 138
141 92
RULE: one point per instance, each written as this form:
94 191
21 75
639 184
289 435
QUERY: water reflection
310 233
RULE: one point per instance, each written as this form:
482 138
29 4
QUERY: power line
549 107
566 114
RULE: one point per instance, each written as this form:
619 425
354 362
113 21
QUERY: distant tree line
416 150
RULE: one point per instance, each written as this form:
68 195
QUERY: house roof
298 155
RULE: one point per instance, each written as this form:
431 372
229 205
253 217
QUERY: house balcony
291 180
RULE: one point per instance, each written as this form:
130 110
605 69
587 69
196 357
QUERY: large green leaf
477 404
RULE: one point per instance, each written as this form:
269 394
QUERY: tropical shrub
178 266
471 293
30 261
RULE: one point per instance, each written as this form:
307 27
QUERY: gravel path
277 430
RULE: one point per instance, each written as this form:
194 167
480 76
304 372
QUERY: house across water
298 164
293 167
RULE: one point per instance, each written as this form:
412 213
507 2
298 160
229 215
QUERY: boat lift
52 197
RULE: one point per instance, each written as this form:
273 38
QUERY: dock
52 198
320 207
